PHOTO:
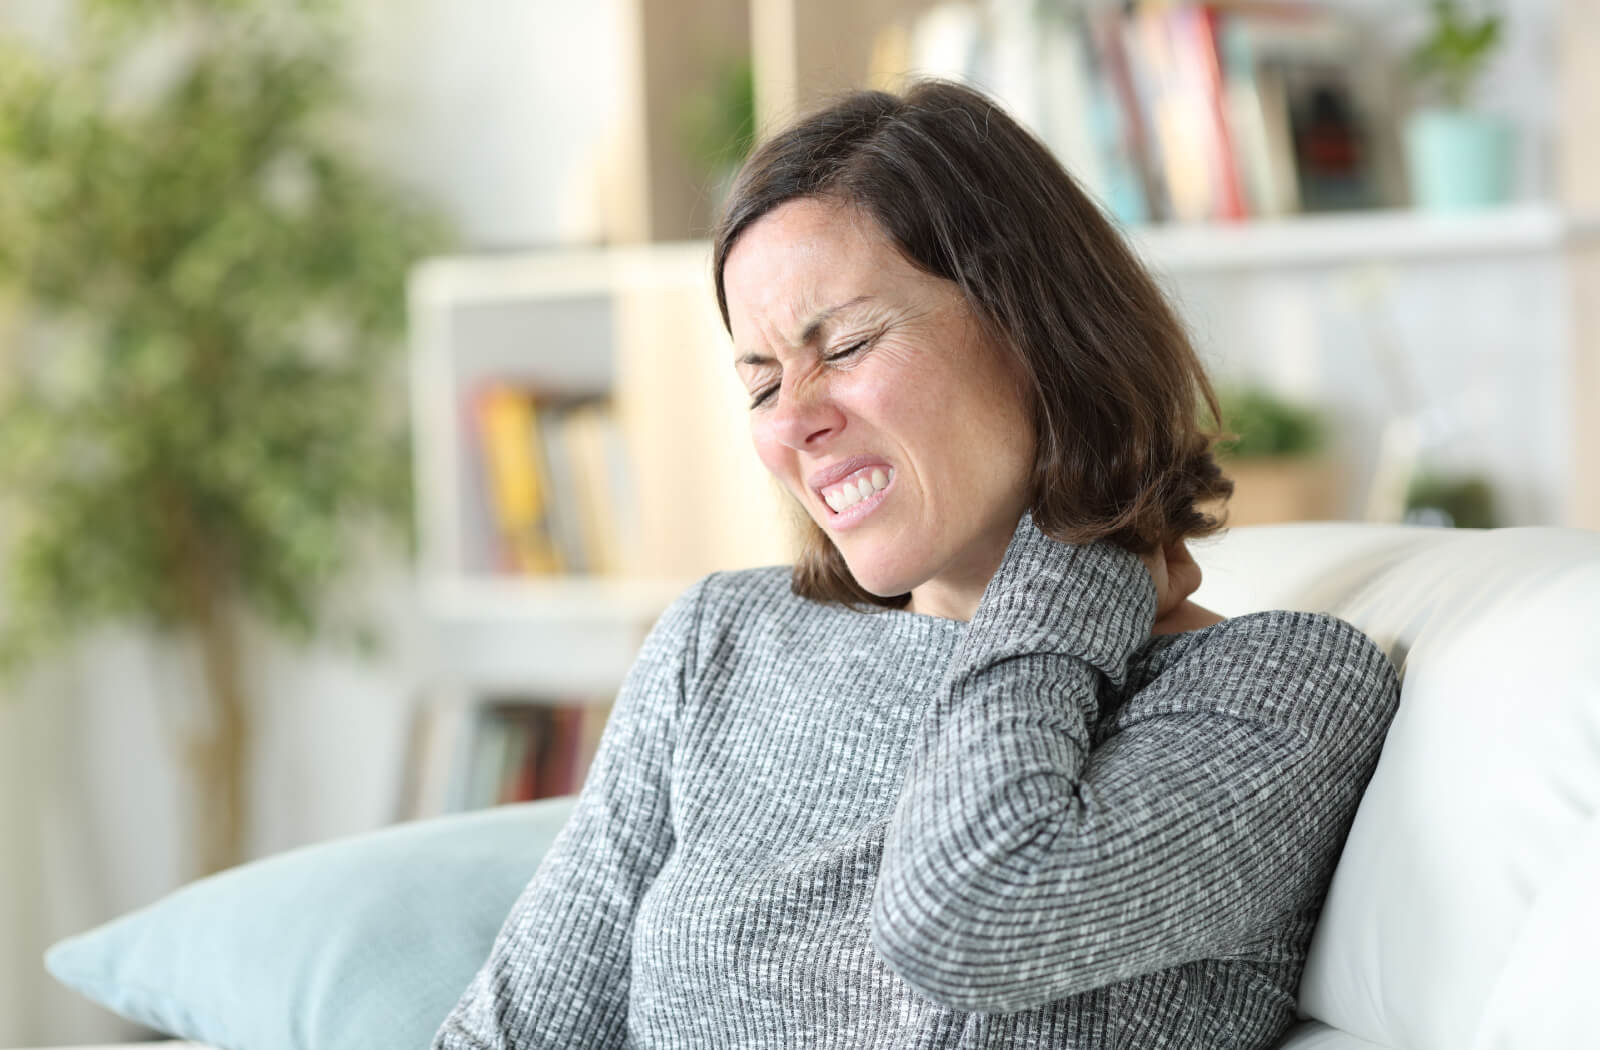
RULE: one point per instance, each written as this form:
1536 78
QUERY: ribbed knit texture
812 827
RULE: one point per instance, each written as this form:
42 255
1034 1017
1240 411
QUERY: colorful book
517 482
1197 31
566 522
548 750
605 507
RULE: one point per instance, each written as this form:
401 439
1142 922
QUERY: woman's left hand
1176 576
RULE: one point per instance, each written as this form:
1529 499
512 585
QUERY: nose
804 414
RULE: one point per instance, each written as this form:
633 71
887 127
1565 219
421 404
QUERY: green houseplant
716 124
1452 500
1275 453
1459 158
194 419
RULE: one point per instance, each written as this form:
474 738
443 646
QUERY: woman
974 772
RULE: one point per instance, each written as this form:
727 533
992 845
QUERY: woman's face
857 362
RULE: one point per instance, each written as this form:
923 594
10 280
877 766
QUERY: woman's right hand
1176 576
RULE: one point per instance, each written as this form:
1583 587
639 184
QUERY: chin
885 581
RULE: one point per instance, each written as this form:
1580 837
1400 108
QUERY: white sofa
1465 911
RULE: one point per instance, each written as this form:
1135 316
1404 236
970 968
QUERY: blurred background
363 399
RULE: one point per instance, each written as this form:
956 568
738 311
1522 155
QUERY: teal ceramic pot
1459 160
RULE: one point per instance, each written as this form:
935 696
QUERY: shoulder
731 600
717 595
765 585
714 611
1313 670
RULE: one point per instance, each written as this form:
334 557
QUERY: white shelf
1355 237
555 635
543 599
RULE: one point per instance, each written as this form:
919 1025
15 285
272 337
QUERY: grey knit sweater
813 827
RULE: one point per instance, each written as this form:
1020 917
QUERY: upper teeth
857 487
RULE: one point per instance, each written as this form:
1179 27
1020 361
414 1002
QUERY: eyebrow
810 331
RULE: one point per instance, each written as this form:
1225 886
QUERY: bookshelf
1382 235
636 325
1547 80
634 330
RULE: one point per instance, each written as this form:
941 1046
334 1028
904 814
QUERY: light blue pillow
364 942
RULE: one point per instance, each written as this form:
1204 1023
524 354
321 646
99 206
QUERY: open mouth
859 487
855 497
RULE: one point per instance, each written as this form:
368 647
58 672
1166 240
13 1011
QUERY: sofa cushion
363 943
1456 877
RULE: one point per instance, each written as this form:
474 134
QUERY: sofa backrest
1465 909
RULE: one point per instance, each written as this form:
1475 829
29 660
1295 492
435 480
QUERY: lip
852 515
838 521
844 468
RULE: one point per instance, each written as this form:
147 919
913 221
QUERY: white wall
1480 346
505 111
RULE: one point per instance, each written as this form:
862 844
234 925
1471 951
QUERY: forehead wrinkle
809 332
788 286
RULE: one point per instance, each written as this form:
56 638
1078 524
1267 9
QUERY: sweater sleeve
558 972
1019 868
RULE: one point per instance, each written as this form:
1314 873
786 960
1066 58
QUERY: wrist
1096 601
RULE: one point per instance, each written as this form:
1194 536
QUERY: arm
1020 869
558 973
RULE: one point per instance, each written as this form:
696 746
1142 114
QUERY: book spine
1067 107
566 519
508 426
604 486
438 733
1205 61
522 759
1118 38
490 744
566 733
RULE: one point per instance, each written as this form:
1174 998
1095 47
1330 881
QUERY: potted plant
716 124
199 418
1452 501
1459 158
1275 455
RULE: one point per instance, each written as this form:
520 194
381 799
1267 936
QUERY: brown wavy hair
1118 396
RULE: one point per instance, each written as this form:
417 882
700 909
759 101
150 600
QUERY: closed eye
849 351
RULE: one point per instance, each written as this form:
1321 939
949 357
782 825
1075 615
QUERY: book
604 508
518 484
491 745
554 429
551 743
1136 193
1197 30
1224 110
1258 117
435 759
528 727
558 480
559 756
1070 112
